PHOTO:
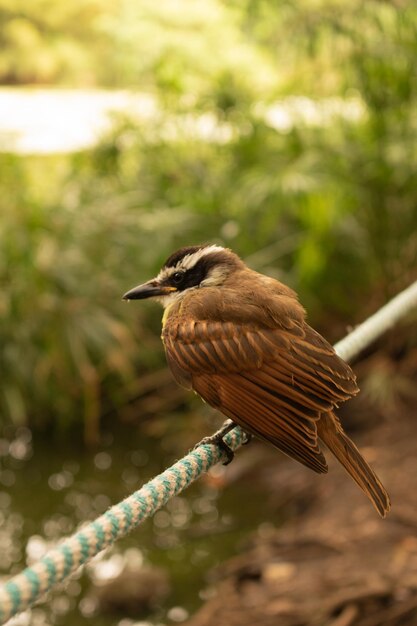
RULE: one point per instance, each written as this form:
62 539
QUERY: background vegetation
323 196
287 131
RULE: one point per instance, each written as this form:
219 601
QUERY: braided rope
376 325
59 563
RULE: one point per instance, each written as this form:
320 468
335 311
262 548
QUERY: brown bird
241 341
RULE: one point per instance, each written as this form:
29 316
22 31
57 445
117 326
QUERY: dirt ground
334 562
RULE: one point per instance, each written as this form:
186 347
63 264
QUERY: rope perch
59 563
376 325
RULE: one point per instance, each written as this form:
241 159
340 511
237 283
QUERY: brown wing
273 382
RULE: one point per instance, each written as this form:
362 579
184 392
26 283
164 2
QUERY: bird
240 340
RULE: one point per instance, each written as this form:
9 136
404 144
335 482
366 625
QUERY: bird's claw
217 440
248 439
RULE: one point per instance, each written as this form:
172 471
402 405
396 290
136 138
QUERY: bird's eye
177 278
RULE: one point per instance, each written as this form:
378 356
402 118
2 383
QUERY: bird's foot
217 440
248 439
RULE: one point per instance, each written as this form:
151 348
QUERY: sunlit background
285 130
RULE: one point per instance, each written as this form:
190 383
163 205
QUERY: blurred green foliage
167 45
327 202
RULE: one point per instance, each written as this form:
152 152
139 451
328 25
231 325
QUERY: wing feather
244 406
274 382
288 385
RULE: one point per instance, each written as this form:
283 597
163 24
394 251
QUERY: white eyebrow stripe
188 262
166 272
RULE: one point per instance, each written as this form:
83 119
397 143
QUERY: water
48 489
31 118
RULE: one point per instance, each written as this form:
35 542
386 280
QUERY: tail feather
331 432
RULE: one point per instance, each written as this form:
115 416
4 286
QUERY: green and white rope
376 325
59 563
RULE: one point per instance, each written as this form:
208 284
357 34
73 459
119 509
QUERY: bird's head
186 269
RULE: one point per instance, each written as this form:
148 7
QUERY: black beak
148 290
